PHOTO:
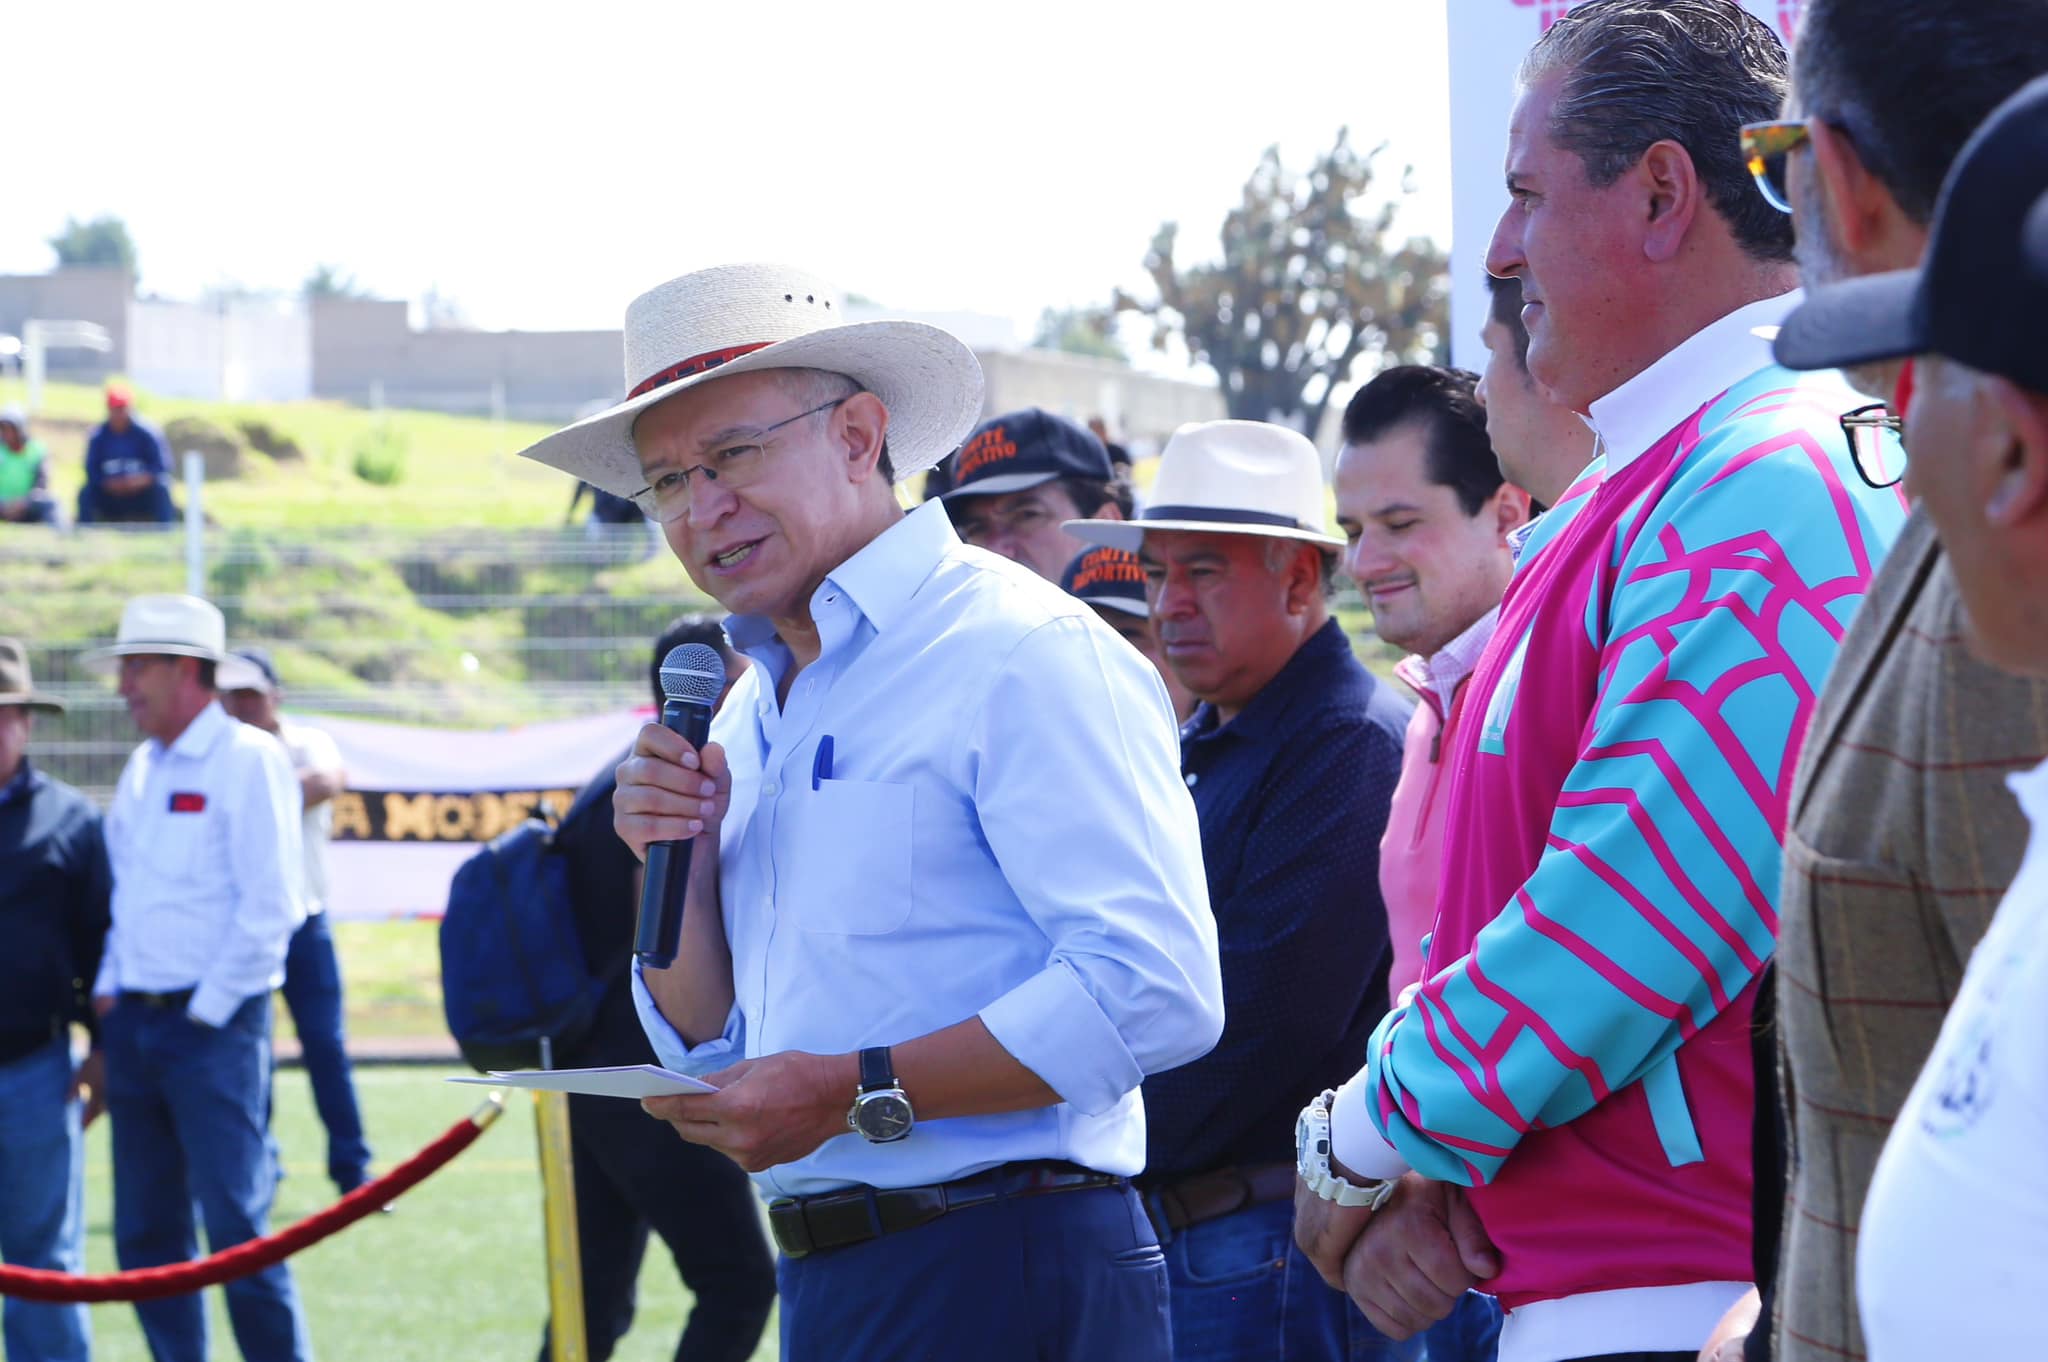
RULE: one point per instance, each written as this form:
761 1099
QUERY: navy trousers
188 1104
312 990
1069 1275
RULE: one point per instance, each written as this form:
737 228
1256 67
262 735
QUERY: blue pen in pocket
821 765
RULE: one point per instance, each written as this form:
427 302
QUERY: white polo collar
1642 411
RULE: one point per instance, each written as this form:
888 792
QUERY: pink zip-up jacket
1579 1054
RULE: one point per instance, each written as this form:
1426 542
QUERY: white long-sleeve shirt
204 840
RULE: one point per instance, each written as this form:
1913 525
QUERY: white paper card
620 1080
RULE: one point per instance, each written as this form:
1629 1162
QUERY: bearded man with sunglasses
1900 834
946 907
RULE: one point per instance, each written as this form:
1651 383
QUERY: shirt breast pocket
181 845
844 866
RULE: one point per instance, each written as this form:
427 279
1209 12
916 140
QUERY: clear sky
541 163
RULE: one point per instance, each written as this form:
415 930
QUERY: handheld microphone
692 675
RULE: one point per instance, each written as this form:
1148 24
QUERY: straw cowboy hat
737 319
182 626
1228 477
16 688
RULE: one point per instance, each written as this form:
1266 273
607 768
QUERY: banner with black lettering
422 800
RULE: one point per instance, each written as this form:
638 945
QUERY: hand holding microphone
672 790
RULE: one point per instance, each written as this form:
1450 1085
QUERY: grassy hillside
455 471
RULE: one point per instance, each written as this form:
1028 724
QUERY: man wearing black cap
1113 581
250 691
1957 1218
1899 831
1021 476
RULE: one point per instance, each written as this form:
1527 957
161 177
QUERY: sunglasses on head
1764 149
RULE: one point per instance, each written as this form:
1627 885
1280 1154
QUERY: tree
331 281
103 241
1080 331
1309 282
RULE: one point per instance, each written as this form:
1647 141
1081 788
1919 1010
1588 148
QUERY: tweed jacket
1901 840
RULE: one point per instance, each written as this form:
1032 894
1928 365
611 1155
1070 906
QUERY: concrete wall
1141 409
246 351
82 294
364 345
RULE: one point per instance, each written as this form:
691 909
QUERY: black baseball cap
1022 449
1112 579
1980 291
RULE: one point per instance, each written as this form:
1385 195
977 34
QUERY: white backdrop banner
1488 41
422 800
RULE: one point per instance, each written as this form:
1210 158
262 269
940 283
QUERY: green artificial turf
456 1272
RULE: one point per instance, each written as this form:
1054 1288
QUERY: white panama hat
182 626
1228 477
736 319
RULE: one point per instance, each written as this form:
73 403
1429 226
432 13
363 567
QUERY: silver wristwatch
1312 1160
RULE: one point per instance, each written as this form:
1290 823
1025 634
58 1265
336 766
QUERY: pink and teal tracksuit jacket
1579 1054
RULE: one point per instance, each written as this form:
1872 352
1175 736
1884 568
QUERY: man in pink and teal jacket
1577 1055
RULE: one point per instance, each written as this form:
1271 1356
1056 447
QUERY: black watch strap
876 1072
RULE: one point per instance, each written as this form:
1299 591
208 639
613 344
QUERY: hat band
695 364
1222 515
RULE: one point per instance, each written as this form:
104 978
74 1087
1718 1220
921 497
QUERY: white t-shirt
313 750
1953 1254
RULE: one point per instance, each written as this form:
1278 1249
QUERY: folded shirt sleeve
722 1051
1074 762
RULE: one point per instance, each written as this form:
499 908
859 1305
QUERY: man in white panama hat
203 836
946 906
1292 758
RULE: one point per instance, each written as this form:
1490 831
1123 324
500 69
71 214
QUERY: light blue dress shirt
1002 832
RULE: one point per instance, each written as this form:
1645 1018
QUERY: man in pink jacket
1427 518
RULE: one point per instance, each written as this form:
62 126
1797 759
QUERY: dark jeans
96 506
1242 1289
1642 1357
1470 1333
312 991
41 510
1069 1275
42 1201
633 1174
188 1104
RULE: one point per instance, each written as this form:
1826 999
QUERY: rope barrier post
566 1328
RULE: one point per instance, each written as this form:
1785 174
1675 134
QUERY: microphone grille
693 671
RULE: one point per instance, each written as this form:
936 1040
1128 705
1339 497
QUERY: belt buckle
792 1231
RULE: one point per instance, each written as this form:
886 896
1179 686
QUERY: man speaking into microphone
945 907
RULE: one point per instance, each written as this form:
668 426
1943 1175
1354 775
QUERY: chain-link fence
468 628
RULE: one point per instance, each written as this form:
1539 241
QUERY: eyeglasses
737 464
1764 149
1873 434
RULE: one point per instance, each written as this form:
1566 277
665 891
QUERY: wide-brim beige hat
736 319
180 626
1228 477
17 687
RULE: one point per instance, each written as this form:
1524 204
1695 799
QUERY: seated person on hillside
24 473
127 470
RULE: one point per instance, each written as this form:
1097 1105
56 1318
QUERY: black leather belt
813 1224
1181 1203
178 998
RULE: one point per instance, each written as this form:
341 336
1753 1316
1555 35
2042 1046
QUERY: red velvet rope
177 1279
